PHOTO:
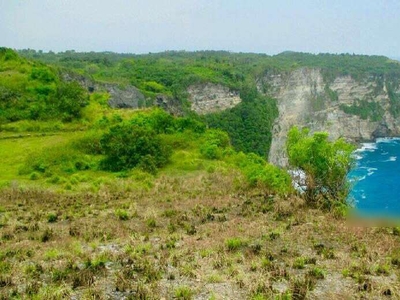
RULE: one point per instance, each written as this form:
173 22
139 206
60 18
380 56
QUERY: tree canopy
324 162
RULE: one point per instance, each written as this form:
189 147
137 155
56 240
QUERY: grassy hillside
138 204
32 90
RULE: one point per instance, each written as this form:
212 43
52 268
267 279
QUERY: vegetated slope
142 204
354 96
165 80
33 91
206 222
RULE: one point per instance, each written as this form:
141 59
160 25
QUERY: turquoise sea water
376 179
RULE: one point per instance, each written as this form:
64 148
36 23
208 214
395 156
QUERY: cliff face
209 97
120 97
304 98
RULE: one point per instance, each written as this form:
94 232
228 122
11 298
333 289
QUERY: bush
127 146
69 100
262 174
156 120
210 151
42 74
269 177
52 218
34 176
325 164
187 123
89 143
215 142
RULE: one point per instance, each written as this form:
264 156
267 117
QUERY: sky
260 26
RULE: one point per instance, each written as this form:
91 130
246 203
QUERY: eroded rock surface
209 97
305 99
120 96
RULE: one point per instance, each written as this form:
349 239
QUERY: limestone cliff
209 97
305 98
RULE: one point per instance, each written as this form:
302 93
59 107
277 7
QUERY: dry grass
199 236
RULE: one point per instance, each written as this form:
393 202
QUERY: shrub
187 123
157 120
52 218
215 142
34 176
217 137
262 174
210 151
89 143
127 146
42 74
325 163
69 100
270 177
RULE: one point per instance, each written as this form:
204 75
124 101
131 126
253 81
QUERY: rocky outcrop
304 98
120 96
123 97
169 104
209 97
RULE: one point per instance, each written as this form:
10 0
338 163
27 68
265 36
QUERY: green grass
19 150
14 152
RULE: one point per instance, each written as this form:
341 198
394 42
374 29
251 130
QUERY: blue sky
352 26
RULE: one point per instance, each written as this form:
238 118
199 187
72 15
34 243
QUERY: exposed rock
304 100
120 97
127 97
171 105
382 131
209 97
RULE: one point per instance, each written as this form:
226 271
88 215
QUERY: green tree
249 124
127 146
325 163
69 100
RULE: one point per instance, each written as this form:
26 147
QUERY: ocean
375 179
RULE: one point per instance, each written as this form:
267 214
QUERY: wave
371 147
387 140
373 177
392 158
361 178
357 156
371 171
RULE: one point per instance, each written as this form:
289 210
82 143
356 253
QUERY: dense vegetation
33 91
174 68
365 109
325 164
249 123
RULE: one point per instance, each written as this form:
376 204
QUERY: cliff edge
357 110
